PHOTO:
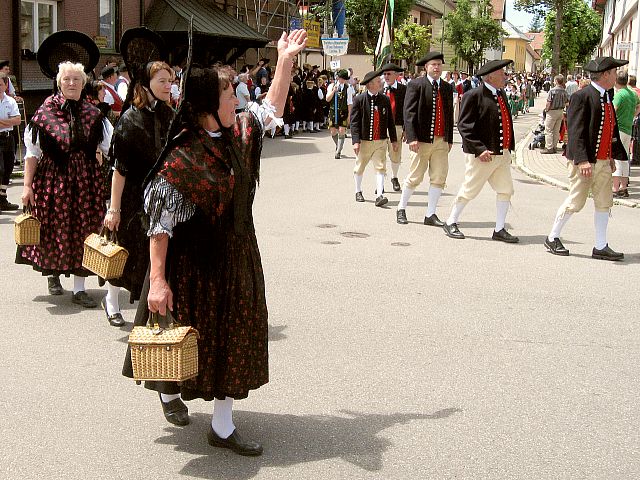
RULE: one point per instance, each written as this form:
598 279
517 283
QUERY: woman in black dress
137 141
205 263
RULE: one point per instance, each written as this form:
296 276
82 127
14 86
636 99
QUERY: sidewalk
551 169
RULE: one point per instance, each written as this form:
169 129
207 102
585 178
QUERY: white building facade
620 32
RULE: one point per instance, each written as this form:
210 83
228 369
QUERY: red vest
506 123
604 148
439 127
117 101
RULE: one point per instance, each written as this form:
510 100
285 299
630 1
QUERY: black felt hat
391 67
602 64
370 76
67 45
492 66
344 74
430 56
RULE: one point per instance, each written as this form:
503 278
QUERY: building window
107 15
38 20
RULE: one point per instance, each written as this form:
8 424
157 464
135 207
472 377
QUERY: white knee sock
286 129
358 179
502 207
379 183
562 217
434 196
112 301
317 125
394 169
340 143
601 220
404 198
166 398
222 419
455 213
78 284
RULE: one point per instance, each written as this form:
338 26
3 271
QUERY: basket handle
108 235
27 209
159 323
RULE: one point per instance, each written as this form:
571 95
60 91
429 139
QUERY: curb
521 145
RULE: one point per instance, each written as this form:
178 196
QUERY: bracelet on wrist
114 210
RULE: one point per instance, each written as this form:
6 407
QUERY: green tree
580 34
364 18
541 8
537 24
470 30
411 42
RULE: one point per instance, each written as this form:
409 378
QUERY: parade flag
384 46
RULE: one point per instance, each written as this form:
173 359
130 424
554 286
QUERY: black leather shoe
55 288
504 236
607 254
337 156
83 299
359 197
556 247
115 320
396 184
433 221
380 201
175 411
548 151
6 205
234 442
401 217
453 231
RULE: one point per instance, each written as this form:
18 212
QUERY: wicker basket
169 355
103 256
27 228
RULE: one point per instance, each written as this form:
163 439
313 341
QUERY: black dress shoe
453 231
234 442
175 411
55 288
396 184
433 221
380 201
607 254
115 320
504 236
359 197
83 299
401 217
556 247
6 205
337 156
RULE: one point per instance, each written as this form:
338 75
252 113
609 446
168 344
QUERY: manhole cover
400 244
326 225
331 242
354 234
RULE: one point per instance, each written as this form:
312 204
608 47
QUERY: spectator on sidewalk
632 85
242 92
572 86
557 100
9 117
627 106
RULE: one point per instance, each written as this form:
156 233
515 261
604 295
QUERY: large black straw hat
67 45
139 46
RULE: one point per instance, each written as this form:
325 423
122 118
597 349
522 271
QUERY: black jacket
418 106
400 93
362 119
585 118
480 122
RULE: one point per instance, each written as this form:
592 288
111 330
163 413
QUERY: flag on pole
384 47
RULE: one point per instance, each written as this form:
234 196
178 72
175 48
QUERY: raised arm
288 47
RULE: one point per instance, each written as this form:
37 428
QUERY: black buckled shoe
401 217
453 231
359 197
83 299
175 411
55 288
433 221
234 442
607 254
115 320
556 247
6 205
395 184
381 200
504 236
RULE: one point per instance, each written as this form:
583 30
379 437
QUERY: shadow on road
291 440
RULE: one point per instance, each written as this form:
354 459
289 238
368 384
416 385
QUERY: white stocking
358 179
222 420
404 198
166 397
562 217
455 213
601 220
394 169
78 284
502 207
112 301
379 183
434 196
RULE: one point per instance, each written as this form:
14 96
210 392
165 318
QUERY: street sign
624 46
295 24
313 33
335 64
335 46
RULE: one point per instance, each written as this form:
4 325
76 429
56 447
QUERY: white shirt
122 88
108 98
242 92
34 150
8 109
350 91
175 92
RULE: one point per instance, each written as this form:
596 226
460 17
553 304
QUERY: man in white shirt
9 117
122 84
571 86
109 77
242 92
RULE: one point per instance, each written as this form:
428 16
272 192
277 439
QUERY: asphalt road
396 352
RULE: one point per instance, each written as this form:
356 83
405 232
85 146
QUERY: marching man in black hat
396 92
594 144
486 128
428 123
371 119
340 97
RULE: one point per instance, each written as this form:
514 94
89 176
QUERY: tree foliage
411 42
541 8
537 24
364 18
470 30
580 34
